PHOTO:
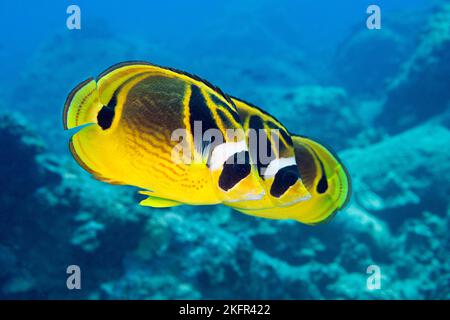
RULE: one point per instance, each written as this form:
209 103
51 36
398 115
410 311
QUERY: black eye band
284 178
234 170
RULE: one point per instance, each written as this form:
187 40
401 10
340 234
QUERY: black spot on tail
106 114
284 178
236 168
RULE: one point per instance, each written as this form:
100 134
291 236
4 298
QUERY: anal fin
157 202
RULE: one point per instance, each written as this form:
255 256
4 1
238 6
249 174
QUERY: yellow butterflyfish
181 140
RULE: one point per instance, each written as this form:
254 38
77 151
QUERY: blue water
377 97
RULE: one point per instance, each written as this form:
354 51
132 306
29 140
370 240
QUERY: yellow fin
82 105
157 202
113 77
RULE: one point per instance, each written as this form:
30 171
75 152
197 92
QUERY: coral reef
403 175
126 251
43 201
352 58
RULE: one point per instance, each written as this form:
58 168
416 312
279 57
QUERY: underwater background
380 98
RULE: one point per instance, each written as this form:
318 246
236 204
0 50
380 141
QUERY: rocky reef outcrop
403 175
420 90
367 59
324 112
47 221
126 251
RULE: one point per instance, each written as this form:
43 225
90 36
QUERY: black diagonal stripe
226 106
257 125
199 111
284 134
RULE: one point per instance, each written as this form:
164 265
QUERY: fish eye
106 114
322 186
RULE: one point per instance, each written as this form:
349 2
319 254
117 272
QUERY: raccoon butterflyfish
181 140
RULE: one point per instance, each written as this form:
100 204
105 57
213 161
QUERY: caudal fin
82 105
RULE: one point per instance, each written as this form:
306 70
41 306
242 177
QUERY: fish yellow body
182 140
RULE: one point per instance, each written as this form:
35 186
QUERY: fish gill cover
378 97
